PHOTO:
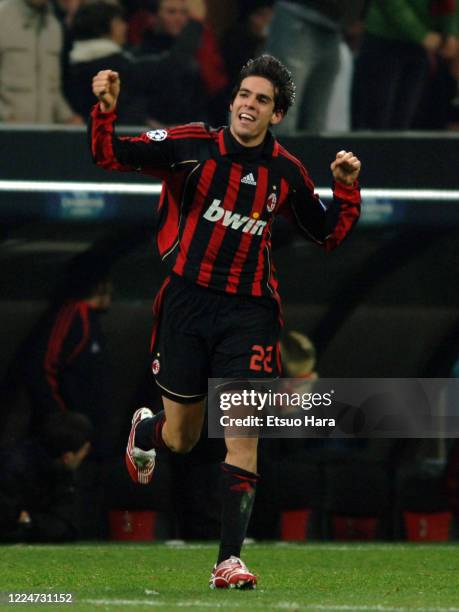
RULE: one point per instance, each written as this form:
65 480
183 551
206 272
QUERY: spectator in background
38 494
247 38
298 356
65 10
438 108
306 35
203 72
99 34
339 111
453 119
141 16
30 69
63 363
402 41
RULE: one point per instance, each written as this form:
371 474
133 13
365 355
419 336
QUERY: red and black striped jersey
219 200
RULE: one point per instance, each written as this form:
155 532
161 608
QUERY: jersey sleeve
343 213
326 224
151 153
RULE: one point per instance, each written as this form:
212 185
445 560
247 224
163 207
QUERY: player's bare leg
242 453
177 428
183 424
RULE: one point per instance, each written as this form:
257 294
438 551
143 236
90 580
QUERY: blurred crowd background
359 64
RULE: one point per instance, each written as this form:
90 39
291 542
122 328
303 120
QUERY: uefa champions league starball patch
157 135
155 366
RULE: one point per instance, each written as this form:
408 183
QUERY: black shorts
201 334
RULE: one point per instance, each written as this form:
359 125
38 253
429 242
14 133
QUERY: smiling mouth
246 117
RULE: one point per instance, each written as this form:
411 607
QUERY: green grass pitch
324 577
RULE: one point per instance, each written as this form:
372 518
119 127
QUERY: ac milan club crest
155 366
271 203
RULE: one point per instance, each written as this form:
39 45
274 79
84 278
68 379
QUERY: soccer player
217 313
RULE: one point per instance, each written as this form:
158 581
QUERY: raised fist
106 87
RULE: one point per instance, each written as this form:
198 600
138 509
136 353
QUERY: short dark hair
273 70
66 431
94 20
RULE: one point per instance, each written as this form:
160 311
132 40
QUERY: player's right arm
142 153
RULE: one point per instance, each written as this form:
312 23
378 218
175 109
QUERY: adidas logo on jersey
248 225
249 179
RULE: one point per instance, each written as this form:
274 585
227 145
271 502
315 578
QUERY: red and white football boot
140 463
232 574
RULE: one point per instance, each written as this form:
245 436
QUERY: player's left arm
344 210
328 224
346 168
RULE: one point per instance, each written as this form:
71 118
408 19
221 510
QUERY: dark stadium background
384 305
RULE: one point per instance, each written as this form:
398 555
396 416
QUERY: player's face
252 111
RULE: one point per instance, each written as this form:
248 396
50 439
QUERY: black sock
238 494
148 433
